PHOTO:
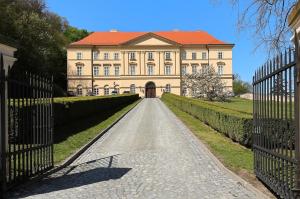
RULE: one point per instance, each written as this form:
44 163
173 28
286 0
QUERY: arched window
168 88
79 90
132 88
106 90
96 90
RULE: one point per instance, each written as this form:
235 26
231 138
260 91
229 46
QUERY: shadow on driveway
75 176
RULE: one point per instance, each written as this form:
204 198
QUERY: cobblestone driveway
148 154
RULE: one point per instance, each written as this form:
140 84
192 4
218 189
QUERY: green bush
236 125
69 109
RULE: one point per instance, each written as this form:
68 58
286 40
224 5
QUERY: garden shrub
70 109
236 125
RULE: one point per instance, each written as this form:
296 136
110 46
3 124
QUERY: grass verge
234 156
71 137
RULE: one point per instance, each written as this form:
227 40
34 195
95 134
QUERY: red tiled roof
118 38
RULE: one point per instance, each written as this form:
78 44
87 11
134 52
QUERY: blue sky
156 15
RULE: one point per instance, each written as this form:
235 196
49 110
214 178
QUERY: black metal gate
26 126
276 135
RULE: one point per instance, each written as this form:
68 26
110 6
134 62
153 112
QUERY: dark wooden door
150 90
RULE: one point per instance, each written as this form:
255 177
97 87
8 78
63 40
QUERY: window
79 70
96 70
183 70
132 56
106 90
106 70
106 56
117 70
79 55
95 55
131 69
96 91
150 55
204 55
220 55
116 56
220 69
168 88
167 70
150 69
132 88
167 55
194 69
194 56
79 90
183 55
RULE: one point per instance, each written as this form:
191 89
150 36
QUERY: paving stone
148 154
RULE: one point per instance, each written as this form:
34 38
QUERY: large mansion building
147 63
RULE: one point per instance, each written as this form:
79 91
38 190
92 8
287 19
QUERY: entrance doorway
150 90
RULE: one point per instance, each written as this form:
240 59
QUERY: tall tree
42 37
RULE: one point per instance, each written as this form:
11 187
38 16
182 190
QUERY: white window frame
106 70
167 55
79 70
106 90
150 69
220 55
95 55
79 55
116 56
96 91
220 69
132 88
168 88
194 55
204 68
194 68
150 56
96 70
117 70
132 69
183 55
106 56
131 55
167 69
204 55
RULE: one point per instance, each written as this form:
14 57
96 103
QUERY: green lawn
235 103
233 155
69 138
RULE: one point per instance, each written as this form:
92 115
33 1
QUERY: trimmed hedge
234 124
69 109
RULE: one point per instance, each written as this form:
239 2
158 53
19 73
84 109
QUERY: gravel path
148 154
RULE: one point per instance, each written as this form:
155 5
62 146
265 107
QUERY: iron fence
275 133
26 126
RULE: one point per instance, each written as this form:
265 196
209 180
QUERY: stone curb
75 155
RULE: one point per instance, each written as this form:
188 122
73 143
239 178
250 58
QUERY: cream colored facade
162 70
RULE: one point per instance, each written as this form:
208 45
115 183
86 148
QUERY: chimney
113 30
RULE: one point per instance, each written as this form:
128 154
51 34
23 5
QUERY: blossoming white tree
205 84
